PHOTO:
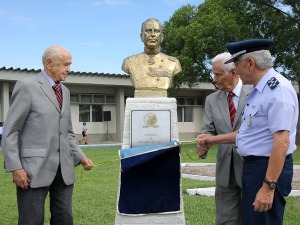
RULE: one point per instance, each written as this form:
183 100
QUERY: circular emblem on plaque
150 120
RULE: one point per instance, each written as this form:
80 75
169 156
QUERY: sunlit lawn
95 193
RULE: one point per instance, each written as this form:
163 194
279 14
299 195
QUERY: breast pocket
250 119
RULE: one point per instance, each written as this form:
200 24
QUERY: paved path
210 191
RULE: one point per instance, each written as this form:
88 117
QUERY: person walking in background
39 144
84 135
219 120
267 137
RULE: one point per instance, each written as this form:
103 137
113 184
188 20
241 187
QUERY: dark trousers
254 172
31 203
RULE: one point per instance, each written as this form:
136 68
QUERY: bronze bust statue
151 71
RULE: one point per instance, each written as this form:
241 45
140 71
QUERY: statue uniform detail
151 74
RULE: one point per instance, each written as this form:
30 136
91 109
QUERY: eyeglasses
236 63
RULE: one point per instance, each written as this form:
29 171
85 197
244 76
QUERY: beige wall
102 84
189 131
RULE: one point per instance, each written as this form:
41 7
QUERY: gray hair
262 58
51 52
223 57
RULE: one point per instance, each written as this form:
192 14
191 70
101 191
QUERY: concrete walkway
210 191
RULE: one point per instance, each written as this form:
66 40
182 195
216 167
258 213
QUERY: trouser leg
31 205
253 175
61 201
228 202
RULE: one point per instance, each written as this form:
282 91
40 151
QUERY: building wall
190 130
117 85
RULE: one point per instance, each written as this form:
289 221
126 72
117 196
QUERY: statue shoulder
131 61
137 56
173 62
169 58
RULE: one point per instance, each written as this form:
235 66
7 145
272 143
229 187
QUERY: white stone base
151 104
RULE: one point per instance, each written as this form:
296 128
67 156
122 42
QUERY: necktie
57 90
232 110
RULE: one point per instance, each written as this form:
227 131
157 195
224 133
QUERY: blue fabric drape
150 179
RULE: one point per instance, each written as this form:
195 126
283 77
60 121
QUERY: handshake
204 142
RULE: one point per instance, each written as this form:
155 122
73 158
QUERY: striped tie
57 90
232 110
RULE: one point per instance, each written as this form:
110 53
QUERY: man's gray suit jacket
38 136
217 121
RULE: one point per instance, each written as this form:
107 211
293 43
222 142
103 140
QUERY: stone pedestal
155 105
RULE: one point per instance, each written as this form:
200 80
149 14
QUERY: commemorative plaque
150 127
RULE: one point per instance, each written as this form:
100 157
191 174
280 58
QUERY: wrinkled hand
202 147
86 163
201 139
21 179
264 199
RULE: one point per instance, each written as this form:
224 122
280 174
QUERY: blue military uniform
271 106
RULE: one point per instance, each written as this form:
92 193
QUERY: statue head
151 33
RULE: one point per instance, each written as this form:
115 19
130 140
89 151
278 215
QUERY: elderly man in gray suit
219 120
39 145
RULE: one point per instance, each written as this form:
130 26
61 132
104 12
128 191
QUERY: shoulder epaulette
172 58
273 82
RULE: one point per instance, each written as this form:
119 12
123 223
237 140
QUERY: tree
281 19
282 22
195 35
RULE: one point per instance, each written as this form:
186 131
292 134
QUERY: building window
84 113
190 101
86 99
97 113
110 99
188 114
185 113
99 99
180 101
90 113
185 108
92 98
200 101
74 98
91 106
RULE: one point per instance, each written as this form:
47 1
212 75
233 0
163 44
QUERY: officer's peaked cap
240 48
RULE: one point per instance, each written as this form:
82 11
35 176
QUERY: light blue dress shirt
48 78
269 108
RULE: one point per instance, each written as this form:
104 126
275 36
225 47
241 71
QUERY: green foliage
280 20
296 156
195 35
95 192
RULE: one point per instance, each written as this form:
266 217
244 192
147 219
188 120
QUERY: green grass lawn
95 193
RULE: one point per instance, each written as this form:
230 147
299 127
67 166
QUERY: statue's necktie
232 110
57 90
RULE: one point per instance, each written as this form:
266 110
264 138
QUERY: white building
94 96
